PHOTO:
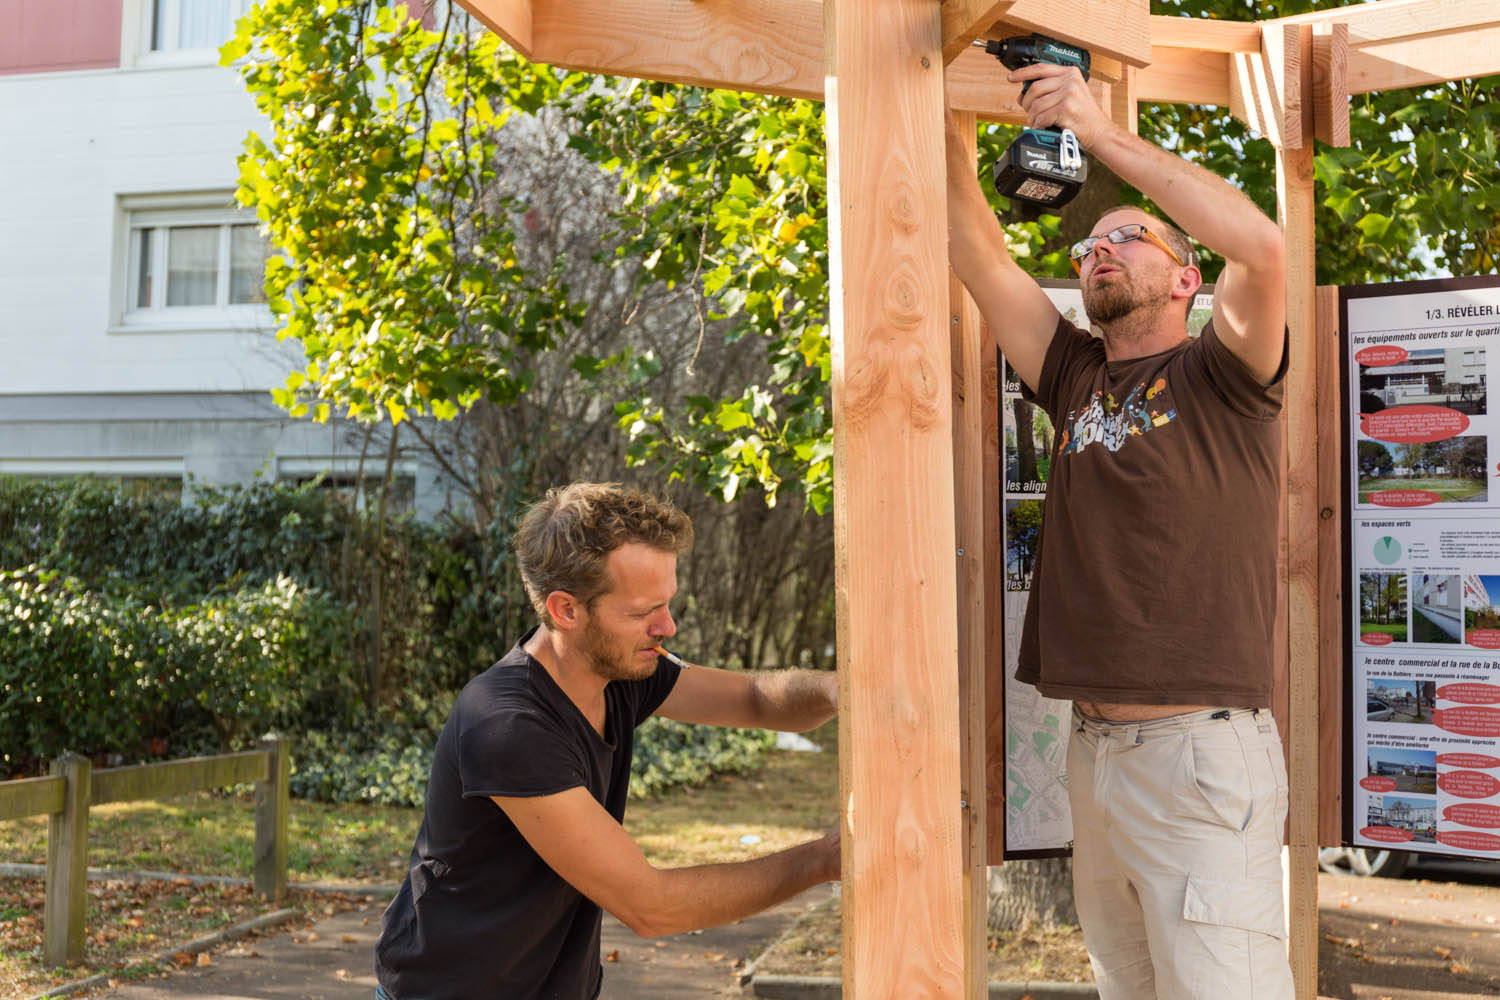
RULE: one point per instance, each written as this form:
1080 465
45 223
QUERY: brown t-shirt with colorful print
1155 575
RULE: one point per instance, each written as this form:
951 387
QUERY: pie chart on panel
1387 550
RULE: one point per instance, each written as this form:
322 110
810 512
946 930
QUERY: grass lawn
1396 630
1448 489
792 799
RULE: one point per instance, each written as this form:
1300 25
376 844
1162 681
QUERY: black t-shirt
480 915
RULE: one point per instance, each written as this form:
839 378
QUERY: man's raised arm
1019 314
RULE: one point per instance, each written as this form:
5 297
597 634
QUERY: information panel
1422 551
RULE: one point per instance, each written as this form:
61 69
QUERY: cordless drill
1043 166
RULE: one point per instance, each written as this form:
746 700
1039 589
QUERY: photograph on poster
1382 608
1450 377
1482 610
1023 529
1402 770
1392 699
1437 608
1408 818
1028 446
1420 473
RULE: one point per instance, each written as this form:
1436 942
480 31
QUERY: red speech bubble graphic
1374 638
1468 720
1411 424
1386 834
1470 693
1403 498
1375 783
1484 638
1469 840
1467 760
1468 784
1381 355
1473 814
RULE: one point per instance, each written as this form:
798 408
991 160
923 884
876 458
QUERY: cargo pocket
1239 952
1247 904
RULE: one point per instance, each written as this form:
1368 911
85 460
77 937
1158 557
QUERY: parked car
1377 710
1363 861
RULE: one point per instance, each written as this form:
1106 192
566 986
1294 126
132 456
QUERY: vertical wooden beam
1123 104
1330 570
893 501
272 810
1294 196
973 615
1330 83
66 905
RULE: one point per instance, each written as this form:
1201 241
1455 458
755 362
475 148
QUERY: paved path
330 959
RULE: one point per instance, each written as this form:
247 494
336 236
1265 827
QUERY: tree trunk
1026 894
1025 443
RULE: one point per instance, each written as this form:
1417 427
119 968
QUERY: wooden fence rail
73 786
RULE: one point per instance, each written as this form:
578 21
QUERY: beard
611 659
1120 296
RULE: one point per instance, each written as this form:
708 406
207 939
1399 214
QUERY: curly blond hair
563 540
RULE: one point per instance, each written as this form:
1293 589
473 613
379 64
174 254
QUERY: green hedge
390 766
139 628
109 675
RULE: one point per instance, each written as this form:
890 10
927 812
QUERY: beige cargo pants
1177 827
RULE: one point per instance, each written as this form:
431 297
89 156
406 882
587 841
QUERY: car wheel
1362 861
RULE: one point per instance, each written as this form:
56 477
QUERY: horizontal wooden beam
31 797
964 20
1119 29
770 47
776 46
1457 54
1185 76
1203 35
1401 20
178 777
510 19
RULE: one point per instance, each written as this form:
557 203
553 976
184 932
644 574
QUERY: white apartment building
137 345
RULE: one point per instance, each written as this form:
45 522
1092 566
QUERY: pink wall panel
48 36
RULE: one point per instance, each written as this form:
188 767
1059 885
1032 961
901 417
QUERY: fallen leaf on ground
1443 952
182 958
613 956
203 959
348 938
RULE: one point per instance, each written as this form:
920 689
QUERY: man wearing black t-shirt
521 846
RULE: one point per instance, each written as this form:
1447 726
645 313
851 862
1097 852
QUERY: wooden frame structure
915 390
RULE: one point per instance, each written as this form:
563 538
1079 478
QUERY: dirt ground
1433 936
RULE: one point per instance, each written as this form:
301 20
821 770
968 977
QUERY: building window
185 25
199 262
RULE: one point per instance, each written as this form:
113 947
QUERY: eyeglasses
1127 233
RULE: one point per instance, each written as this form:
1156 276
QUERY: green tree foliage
1416 188
401 278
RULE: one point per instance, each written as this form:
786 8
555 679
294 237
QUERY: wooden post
272 808
65 909
970 496
894 529
1330 571
1294 195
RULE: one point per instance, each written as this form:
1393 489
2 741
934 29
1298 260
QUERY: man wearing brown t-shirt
1153 597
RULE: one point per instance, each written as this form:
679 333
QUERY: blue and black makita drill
1044 166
